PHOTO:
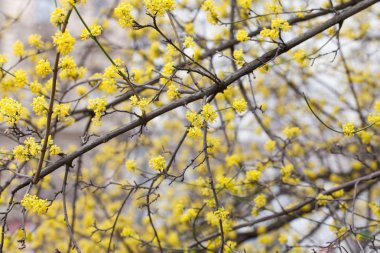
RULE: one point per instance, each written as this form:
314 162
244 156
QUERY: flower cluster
348 129
123 14
30 149
64 42
238 56
40 105
43 68
140 102
212 15
95 29
157 163
277 25
98 106
159 7
10 111
242 35
239 104
58 16
34 204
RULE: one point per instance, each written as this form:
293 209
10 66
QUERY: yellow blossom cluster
210 8
98 106
157 163
242 35
30 149
277 25
34 204
159 7
348 129
123 14
64 42
95 29
10 111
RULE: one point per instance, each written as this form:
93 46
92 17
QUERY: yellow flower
34 40
58 16
195 132
96 30
240 105
61 111
189 42
322 200
348 129
269 145
209 7
173 92
123 14
34 204
64 42
157 163
260 201
10 111
273 8
300 57
238 56
291 132
159 7
3 59
20 78
54 150
98 106
18 48
209 113
43 68
40 105
242 35
252 175
141 103
131 165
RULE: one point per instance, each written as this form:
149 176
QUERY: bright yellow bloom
30 149
273 8
240 105
43 68
10 111
291 132
64 42
98 106
58 16
3 59
209 113
269 145
61 111
34 204
123 14
54 150
96 30
252 175
189 42
18 48
141 103
195 132
300 57
242 35
173 92
20 78
40 106
322 200
159 7
280 24
260 201
348 129
157 163
67 62
238 56
212 15
34 40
